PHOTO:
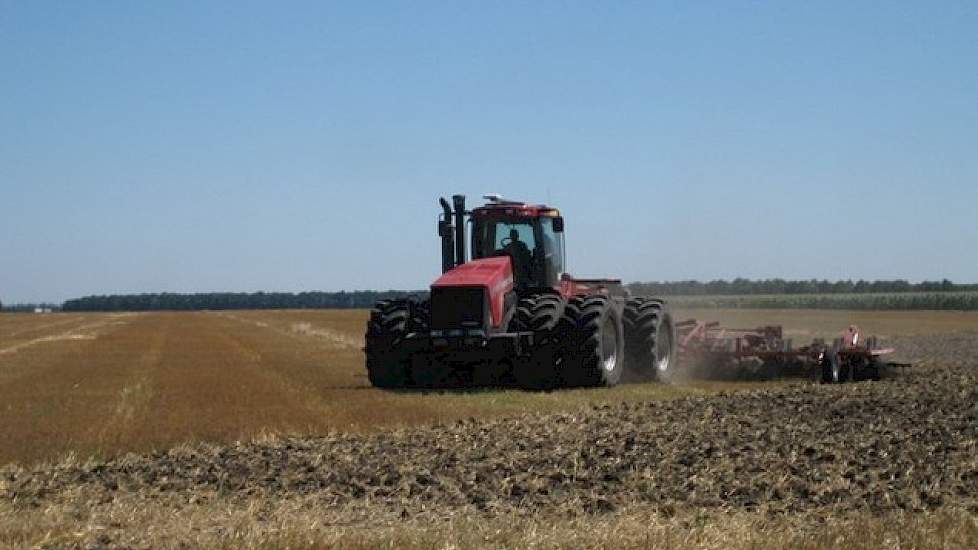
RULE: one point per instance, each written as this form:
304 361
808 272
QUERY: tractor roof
497 206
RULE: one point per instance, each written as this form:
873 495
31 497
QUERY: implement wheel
835 368
825 362
649 338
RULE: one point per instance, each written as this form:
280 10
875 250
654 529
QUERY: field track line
134 397
188 376
44 326
279 380
283 374
76 333
305 329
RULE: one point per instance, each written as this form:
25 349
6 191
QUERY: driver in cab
520 254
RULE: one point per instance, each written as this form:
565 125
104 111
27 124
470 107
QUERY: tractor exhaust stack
446 232
459 201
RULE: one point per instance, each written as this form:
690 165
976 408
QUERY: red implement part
851 344
569 286
701 337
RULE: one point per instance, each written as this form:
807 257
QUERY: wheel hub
609 346
663 352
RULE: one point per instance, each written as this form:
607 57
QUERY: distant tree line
742 287
813 293
233 300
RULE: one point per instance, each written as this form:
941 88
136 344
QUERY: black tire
649 339
834 369
839 370
826 363
864 368
540 315
420 316
596 355
432 374
565 339
874 370
388 366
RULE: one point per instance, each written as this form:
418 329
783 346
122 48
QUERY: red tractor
511 315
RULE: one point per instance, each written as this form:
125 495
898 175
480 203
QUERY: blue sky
302 146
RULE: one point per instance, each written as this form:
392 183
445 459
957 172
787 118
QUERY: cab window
553 250
508 234
514 238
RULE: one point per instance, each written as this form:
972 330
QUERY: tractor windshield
535 249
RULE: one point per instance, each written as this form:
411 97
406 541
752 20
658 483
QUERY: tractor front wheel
540 315
388 365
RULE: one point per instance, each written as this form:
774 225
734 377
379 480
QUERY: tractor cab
532 237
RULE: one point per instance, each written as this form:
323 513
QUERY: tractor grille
458 308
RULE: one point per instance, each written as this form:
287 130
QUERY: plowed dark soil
906 443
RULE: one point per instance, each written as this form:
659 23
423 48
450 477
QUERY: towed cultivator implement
706 346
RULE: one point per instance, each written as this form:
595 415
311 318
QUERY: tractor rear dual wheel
649 337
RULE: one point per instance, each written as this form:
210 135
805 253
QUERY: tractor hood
495 275
485 272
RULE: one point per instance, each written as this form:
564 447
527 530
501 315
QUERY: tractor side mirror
559 224
444 229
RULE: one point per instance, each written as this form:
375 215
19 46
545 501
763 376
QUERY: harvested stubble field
706 465
102 384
